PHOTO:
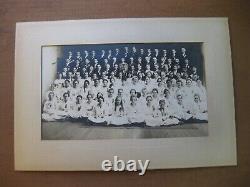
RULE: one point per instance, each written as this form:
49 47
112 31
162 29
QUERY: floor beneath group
79 131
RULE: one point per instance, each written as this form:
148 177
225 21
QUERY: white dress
49 111
118 117
150 116
99 114
199 111
88 109
164 118
76 110
64 109
181 111
135 114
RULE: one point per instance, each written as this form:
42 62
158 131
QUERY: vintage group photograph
123 90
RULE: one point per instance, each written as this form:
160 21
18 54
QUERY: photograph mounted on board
158 89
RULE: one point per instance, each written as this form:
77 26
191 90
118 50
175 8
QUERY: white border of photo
216 149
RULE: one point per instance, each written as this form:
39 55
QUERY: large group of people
127 86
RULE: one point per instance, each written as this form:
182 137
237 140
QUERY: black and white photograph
123 90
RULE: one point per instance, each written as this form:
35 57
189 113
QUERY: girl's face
78 99
111 92
105 83
89 97
66 96
196 98
99 94
160 84
86 84
169 84
51 96
188 83
155 93
167 94
66 84
162 104
118 101
179 84
75 84
179 98
133 93
149 99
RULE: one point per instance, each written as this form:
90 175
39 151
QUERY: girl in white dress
66 88
89 105
182 109
201 90
110 102
76 111
49 108
75 91
160 87
85 89
142 96
164 116
155 96
99 116
134 111
150 115
119 115
199 109
59 80
64 107
188 91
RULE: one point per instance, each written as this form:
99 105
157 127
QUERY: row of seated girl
150 109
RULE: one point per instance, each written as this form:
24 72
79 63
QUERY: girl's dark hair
65 94
166 91
85 83
79 96
99 93
131 91
122 108
101 97
155 89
